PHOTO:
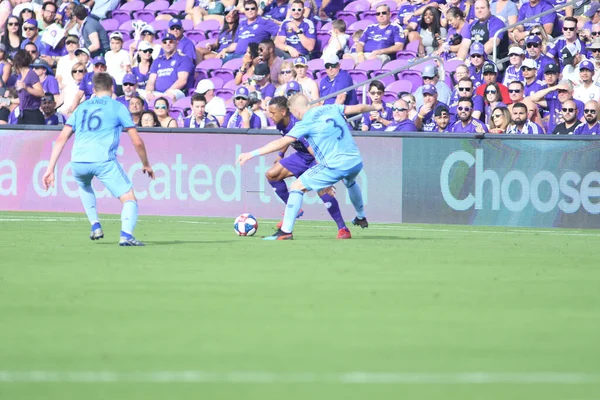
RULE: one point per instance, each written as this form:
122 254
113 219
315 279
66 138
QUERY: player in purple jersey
296 164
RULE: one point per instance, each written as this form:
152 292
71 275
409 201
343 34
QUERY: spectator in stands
266 50
521 124
93 34
352 52
184 45
130 87
32 49
12 34
31 33
198 10
377 120
276 10
48 108
516 55
255 103
242 117
226 37
6 9
484 28
551 75
554 106
493 99
261 82
424 120
117 60
477 59
5 68
148 119
530 74
66 62
464 88
101 7
457 29
328 8
83 56
199 118
169 73
254 29
466 123
310 10
136 107
431 76
71 87
569 36
570 60
428 31
143 64
499 120
338 39
490 75
530 9
412 105
462 71
215 106
161 109
516 93
27 11
297 36
539 31
590 126
29 89
336 80
382 40
249 62
570 120
49 9
400 121
48 81
86 87
291 88
67 21
506 10
534 53
286 75
441 118
9 112
309 86
147 36
588 89
593 15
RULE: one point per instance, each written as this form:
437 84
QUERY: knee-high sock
88 198
281 190
294 204
356 198
129 216
333 208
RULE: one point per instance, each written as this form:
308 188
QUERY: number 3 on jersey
94 122
336 127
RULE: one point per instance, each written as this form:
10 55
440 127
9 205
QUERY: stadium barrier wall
501 180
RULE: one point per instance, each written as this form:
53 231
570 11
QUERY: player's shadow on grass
393 238
175 242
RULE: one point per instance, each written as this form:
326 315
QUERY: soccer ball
245 225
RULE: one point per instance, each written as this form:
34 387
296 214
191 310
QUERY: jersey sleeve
299 131
282 29
73 119
123 115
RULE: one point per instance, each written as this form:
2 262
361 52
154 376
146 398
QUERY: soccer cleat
300 213
96 232
280 235
130 241
362 222
344 233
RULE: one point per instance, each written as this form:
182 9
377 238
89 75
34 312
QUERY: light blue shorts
109 173
319 176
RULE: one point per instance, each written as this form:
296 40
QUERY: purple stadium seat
212 35
400 86
208 25
406 55
187 24
194 35
126 34
210 64
160 25
449 81
183 103
225 74
451 65
121 15
413 76
358 75
326 27
359 25
234 64
158 5
230 107
224 94
144 15
369 16
132 5
357 6
126 26
322 39
230 85
175 113
391 3
203 43
346 63
370 65
316 64
394 64
389 97
349 17
218 82
110 24
385 80
413 46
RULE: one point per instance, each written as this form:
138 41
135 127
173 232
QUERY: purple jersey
267 91
478 105
292 39
385 113
403 126
542 61
191 122
225 39
233 120
554 108
512 74
476 76
465 32
55 119
406 10
26 100
532 87
50 85
301 145
142 79
554 48
166 70
341 81
377 38
275 11
87 85
474 126
585 129
530 128
254 32
528 11
428 124
482 31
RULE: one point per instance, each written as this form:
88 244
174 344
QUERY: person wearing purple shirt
199 117
335 80
242 117
485 27
48 108
513 73
465 88
31 33
466 123
405 14
457 26
377 120
277 10
297 36
554 106
262 81
86 87
381 40
591 125
130 90
534 52
29 90
424 120
477 57
530 9
569 36
529 70
169 74
43 71
520 124
184 45
400 121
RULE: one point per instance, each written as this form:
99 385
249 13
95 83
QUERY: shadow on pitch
392 238
176 242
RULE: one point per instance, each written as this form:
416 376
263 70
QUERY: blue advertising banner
534 183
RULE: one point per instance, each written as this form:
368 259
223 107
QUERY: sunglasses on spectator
29 28
568 109
399 109
32 51
514 90
285 71
537 33
496 115
13 23
146 51
168 41
297 9
160 107
427 78
78 71
461 108
128 84
330 66
491 91
595 50
597 33
376 92
464 89
535 45
562 91
176 28
527 69
514 55
250 8
47 99
476 56
71 42
241 98
589 111
381 13
570 29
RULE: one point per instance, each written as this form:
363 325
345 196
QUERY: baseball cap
331 59
116 35
169 36
204 86
262 69
516 50
99 60
143 45
533 39
551 69
595 44
148 28
175 22
300 61
429 89
38 62
129 78
529 63
429 71
82 50
292 87
242 91
439 110
477 48
585 64
31 21
490 67
594 7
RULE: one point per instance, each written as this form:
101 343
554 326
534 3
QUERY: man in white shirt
117 59
215 106
588 89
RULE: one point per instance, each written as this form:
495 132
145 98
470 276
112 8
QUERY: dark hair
234 26
517 83
5 40
80 12
253 50
455 12
378 85
465 79
268 42
138 97
571 19
247 2
467 99
154 117
163 99
49 3
520 105
102 81
400 94
498 93
198 97
280 102
435 24
22 59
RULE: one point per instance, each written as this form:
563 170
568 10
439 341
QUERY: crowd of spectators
211 63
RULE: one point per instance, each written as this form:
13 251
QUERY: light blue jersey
327 132
98 124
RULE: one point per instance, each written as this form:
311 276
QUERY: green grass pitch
399 311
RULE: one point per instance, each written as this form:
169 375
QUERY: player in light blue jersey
97 124
326 130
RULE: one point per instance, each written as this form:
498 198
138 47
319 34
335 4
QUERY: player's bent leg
275 176
83 174
292 165
355 195
294 204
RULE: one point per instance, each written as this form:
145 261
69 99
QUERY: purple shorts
297 164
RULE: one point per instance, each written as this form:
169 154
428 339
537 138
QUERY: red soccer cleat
344 233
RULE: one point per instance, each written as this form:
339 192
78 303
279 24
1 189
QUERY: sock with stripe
357 201
294 204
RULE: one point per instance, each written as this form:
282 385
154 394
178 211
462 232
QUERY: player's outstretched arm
140 148
270 147
361 108
59 145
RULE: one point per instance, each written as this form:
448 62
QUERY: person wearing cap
570 120
86 87
292 87
535 53
254 29
147 36
477 57
83 56
555 105
117 59
441 118
184 45
570 59
215 106
377 120
48 108
400 121
590 126
424 120
93 34
516 55
297 36
336 80
31 33
464 88
29 89
66 62
48 81
490 75
309 86
242 117
431 76
143 63
382 40
466 123
551 75
588 89
483 30
569 36
261 81
170 73
130 87
594 55
199 117
530 74
520 124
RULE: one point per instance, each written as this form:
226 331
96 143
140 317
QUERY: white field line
264 377
523 231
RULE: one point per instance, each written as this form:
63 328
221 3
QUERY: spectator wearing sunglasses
297 36
516 55
400 121
594 55
466 123
377 120
499 120
242 117
477 58
382 40
336 80
31 33
593 15
591 125
424 120
492 99
569 36
184 45
520 124
530 74
490 75
144 60
554 106
464 88
570 120
12 37
534 52
130 87
588 89
66 62
530 9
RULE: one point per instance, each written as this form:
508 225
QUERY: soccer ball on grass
245 225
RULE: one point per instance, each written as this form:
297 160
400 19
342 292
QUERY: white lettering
592 177
193 181
10 177
456 204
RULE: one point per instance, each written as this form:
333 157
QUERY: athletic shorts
297 164
109 173
319 176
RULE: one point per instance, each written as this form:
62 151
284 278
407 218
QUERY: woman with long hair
457 29
148 119
249 61
492 99
499 120
429 32
12 37
5 68
161 108
30 90
71 86
143 63
226 36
